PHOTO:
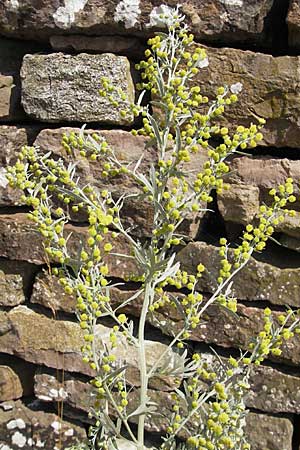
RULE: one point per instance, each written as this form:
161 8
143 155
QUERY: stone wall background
52 54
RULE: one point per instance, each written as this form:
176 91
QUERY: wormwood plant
208 410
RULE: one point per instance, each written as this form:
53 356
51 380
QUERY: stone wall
52 54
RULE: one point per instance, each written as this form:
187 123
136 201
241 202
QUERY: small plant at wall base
208 410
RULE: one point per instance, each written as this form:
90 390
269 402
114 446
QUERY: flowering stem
143 364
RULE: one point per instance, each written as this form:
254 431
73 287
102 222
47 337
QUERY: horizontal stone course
64 88
10 384
256 281
219 20
270 86
25 333
11 55
20 241
218 326
22 427
263 431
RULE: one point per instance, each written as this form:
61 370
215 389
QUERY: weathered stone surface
257 281
269 433
272 432
21 427
15 281
10 384
239 204
221 327
58 87
264 172
250 181
269 86
11 54
25 333
218 326
9 96
120 45
212 20
128 149
293 22
12 140
11 287
274 391
20 241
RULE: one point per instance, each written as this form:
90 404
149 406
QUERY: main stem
143 365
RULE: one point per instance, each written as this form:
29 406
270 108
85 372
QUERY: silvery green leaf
150 408
156 130
138 163
141 96
144 180
133 297
178 139
169 272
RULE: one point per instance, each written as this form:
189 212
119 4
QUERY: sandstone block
11 55
25 333
20 241
129 150
269 86
10 384
269 433
21 426
257 281
258 174
11 286
218 326
293 22
58 87
12 140
120 45
273 433
239 204
219 20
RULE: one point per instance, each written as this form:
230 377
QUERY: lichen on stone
64 16
128 11
233 2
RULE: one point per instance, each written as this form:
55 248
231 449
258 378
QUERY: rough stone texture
269 91
58 87
10 384
273 433
212 20
264 172
11 288
12 140
21 426
218 326
293 22
257 281
274 391
269 433
250 182
20 241
8 96
123 45
25 333
11 55
128 149
239 204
